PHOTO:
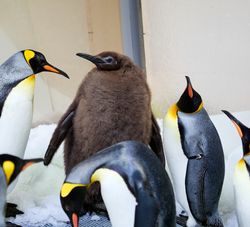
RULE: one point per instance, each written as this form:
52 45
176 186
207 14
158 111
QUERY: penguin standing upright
134 185
242 174
10 167
17 81
112 105
198 180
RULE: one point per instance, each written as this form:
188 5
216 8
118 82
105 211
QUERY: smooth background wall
59 29
206 40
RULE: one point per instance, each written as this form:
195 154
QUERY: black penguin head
13 165
243 131
190 101
72 197
106 61
38 63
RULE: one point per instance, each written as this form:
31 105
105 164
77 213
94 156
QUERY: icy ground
37 189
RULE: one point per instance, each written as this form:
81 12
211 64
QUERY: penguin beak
50 68
235 122
29 162
189 87
75 220
94 59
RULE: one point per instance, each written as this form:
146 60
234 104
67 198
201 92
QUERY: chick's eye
109 59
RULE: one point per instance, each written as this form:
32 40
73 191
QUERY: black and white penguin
205 167
134 186
17 81
199 178
10 167
241 174
173 148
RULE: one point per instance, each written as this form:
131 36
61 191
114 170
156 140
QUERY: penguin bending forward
242 174
134 185
112 105
10 167
203 157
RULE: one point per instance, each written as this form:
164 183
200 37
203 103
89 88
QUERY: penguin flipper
156 140
64 125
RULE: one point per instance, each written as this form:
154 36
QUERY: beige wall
206 40
59 29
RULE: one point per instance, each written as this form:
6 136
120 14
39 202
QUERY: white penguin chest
242 193
16 118
119 201
177 162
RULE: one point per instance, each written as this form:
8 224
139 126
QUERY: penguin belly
241 191
119 201
16 120
177 163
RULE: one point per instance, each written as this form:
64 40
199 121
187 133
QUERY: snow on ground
37 189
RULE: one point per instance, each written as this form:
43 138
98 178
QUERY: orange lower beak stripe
50 69
75 220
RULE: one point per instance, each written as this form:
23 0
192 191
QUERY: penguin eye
109 60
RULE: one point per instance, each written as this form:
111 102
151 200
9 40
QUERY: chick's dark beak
94 59
50 68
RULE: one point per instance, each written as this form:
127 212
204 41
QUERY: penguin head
190 101
38 63
243 131
72 196
107 61
13 165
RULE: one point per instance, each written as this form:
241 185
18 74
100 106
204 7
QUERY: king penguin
17 83
241 174
191 139
10 167
112 105
134 185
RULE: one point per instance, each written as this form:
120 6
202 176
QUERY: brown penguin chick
112 105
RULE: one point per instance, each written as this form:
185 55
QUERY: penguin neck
12 72
21 92
172 112
118 199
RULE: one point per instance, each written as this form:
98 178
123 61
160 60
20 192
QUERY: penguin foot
12 211
182 220
9 224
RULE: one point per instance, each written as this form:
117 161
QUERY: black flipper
156 140
64 125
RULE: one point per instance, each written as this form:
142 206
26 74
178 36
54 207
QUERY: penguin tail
214 221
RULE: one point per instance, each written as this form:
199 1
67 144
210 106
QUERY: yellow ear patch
28 54
8 168
68 187
200 107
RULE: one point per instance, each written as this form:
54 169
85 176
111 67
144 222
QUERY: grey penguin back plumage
12 71
3 190
202 146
